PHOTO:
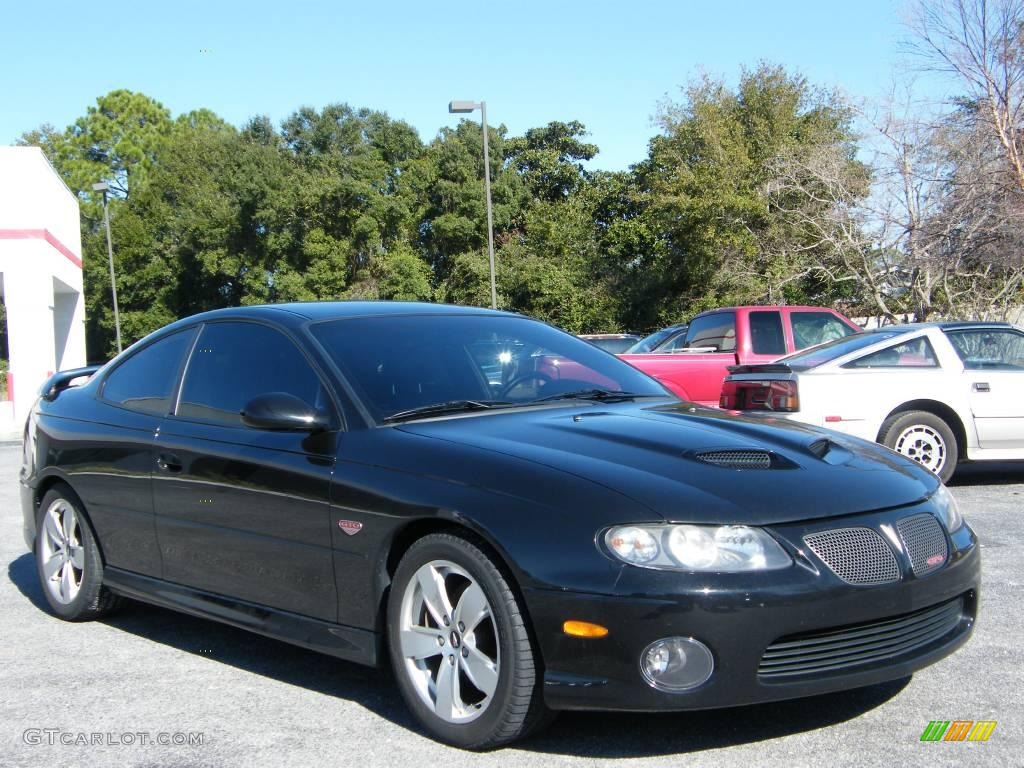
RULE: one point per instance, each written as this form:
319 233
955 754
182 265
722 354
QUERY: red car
695 364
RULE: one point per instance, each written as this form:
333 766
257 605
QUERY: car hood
653 454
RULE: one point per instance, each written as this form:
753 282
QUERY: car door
993 376
110 459
245 512
712 338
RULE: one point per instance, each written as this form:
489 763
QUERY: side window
145 381
717 331
916 353
813 328
234 362
766 333
987 348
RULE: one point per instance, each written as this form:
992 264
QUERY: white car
939 393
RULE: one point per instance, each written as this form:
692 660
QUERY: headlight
724 548
946 509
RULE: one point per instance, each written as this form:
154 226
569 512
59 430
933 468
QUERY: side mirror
280 410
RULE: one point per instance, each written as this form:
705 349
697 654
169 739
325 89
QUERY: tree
350 163
116 141
981 44
445 190
550 159
707 194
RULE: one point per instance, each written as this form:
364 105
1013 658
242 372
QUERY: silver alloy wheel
449 641
61 552
924 445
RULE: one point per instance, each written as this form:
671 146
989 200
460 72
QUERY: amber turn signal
584 629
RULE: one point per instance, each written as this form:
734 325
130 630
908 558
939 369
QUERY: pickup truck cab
694 365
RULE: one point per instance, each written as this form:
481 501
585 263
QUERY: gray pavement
150 674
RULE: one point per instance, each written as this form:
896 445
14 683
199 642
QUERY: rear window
813 328
916 353
832 350
766 333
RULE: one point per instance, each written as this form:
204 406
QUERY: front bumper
737 616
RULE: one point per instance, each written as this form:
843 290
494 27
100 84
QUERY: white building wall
40 259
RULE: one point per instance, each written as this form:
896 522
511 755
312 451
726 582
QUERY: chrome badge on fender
351 527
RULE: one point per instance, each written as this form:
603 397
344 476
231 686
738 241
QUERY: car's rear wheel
925 438
460 647
68 559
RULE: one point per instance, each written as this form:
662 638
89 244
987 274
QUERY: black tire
516 706
923 437
90 600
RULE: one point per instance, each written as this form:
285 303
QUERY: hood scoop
740 459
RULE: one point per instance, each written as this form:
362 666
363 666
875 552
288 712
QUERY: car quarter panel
858 401
105 454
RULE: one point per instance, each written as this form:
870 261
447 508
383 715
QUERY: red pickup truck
697 363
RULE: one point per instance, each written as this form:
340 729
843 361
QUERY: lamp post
102 187
459 107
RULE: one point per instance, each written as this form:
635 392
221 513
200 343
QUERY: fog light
676 664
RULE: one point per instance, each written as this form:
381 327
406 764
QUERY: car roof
330 310
767 307
944 325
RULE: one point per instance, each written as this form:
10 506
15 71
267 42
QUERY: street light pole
468 106
102 187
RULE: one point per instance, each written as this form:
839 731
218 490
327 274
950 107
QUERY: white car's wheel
925 438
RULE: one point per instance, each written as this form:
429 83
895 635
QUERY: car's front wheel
925 438
460 647
68 559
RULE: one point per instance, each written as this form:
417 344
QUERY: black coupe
519 521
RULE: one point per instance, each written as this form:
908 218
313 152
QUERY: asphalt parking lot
149 675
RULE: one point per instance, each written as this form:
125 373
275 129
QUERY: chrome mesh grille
924 541
855 555
885 641
737 459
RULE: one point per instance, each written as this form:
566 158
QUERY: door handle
168 462
981 386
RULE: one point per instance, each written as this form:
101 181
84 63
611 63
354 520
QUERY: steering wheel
543 378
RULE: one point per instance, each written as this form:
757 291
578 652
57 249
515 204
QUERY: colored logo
351 527
958 730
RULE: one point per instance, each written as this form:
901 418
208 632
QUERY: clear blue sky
607 64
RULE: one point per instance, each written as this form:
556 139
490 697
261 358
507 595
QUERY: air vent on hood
737 459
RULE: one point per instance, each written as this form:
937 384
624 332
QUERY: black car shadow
615 735
988 473
584 734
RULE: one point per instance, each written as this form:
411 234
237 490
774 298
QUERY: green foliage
347 203
705 189
116 141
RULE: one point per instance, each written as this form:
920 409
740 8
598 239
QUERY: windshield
649 342
404 362
832 350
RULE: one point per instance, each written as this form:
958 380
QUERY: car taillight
781 396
